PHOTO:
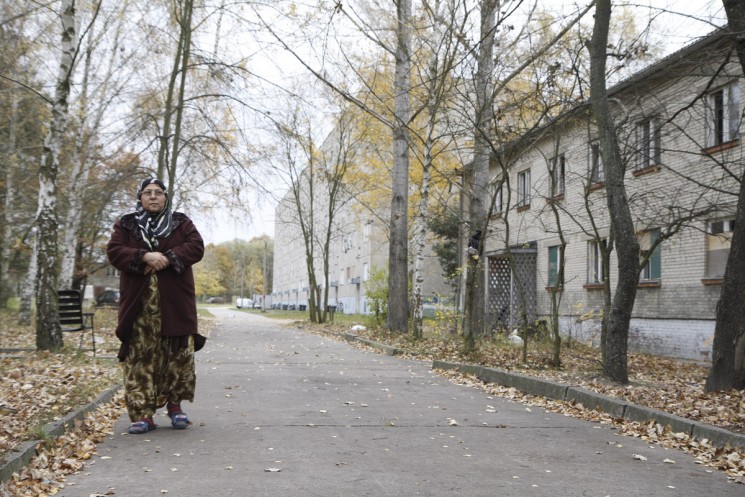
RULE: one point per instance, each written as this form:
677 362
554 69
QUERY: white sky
692 18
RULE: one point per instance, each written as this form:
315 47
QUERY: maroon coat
183 247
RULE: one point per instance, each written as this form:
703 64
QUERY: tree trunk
88 126
728 351
398 257
29 287
8 178
477 176
186 29
622 225
165 133
48 331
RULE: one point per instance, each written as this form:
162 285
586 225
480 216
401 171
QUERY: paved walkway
282 413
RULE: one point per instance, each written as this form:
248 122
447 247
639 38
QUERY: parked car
241 303
215 300
108 298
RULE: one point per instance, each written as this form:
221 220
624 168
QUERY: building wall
674 314
358 247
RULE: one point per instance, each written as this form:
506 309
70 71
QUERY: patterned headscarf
153 226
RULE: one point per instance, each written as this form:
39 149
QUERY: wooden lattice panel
508 292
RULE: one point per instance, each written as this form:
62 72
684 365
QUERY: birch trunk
88 131
398 257
48 332
29 287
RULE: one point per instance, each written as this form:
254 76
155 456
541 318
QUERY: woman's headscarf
153 226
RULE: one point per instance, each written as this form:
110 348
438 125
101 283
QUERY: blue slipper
179 420
141 426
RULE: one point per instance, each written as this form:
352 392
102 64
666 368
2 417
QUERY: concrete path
282 413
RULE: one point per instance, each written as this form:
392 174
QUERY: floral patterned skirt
157 369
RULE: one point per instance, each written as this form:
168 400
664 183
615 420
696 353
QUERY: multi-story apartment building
358 240
358 246
678 127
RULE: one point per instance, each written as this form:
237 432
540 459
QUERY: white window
365 271
523 188
652 270
341 277
498 201
722 115
553 265
647 144
595 268
557 172
718 242
597 175
348 242
366 231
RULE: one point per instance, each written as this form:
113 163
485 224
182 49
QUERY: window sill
722 146
649 284
555 198
596 186
523 208
647 170
551 289
594 286
712 281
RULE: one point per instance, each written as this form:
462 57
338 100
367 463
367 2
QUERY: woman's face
153 199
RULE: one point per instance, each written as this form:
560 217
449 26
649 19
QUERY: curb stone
617 408
19 457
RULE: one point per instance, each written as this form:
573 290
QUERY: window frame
523 189
595 267
722 115
652 270
596 170
648 144
554 254
722 232
557 186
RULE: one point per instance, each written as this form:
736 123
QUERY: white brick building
681 143
358 246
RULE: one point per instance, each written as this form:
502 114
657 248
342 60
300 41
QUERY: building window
597 175
652 270
595 268
523 188
341 277
647 144
365 271
347 242
366 231
498 201
722 115
557 176
718 242
553 265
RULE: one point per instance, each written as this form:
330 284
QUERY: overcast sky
687 20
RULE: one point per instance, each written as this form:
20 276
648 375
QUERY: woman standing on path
154 249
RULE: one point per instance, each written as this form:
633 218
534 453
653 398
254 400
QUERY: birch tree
102 76
48 332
